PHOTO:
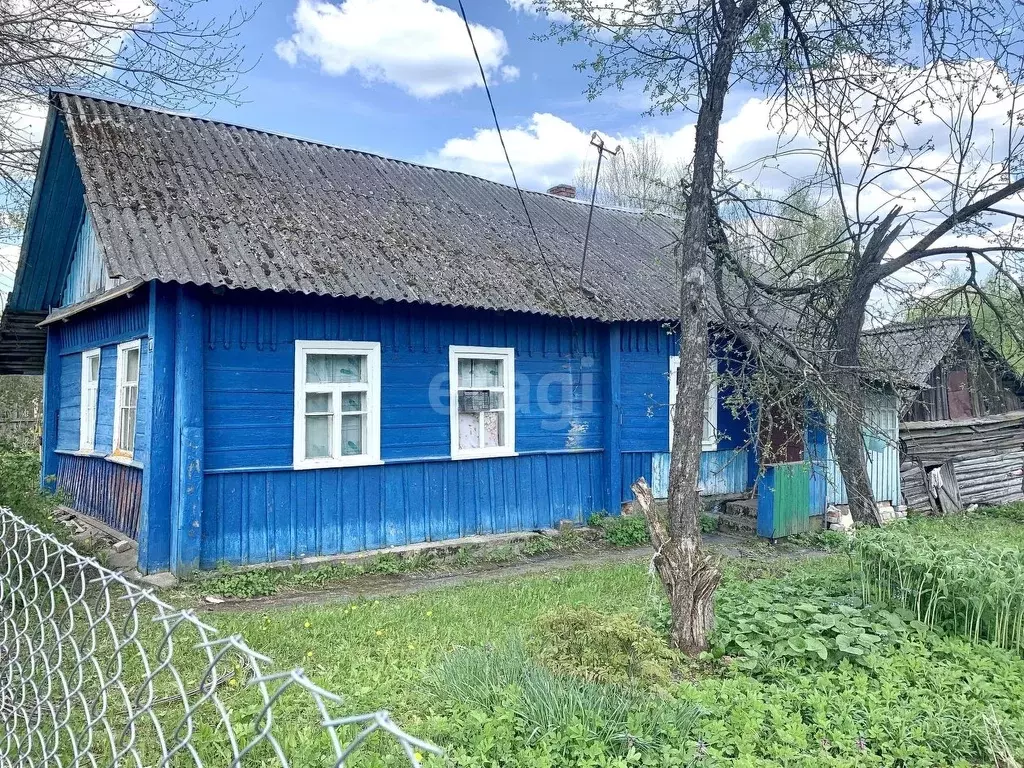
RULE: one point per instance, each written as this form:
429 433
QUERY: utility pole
595 141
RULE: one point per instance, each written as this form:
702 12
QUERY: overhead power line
508 160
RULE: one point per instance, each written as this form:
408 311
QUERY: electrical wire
508 160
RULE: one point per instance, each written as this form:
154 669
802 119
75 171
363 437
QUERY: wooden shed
961 421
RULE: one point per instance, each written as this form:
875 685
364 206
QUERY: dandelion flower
380 632
412 647
309 654
418 756
308 625
430 613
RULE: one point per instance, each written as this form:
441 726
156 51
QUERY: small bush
248 584
538 545
506 710
708 523
621 530
603 648
19 489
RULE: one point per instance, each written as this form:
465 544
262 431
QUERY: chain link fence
97 671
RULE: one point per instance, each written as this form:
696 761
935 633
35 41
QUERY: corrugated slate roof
186 199
911 351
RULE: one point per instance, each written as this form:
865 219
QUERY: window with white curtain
709 440
337 403
482 401
126 398
90 395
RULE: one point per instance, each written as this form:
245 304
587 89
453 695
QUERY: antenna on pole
595 141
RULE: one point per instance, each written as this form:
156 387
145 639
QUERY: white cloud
509 73
417 45
548 149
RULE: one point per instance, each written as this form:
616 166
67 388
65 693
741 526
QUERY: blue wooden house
260 348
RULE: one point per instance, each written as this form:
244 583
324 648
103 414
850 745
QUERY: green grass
916 695
920 702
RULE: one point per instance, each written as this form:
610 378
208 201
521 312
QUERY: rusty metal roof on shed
177 198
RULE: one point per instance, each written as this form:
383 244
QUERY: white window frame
371 351
90 393
507 355
116 450
709 441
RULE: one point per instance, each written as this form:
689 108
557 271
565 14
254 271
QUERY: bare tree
639 177
927 174
689 55
170 53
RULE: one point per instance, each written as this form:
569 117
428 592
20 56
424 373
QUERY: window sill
492 454
709 446
127 461
81 452
356 461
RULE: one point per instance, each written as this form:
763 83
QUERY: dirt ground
375 586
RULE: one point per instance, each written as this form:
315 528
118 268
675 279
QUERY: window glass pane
480 373
318 402
318 437
469 430
351 435
353 401
126 436
494 429
131 365
94 368
335 369
497 400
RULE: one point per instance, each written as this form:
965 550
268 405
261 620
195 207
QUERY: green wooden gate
784 500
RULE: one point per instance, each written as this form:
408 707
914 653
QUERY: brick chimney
563 190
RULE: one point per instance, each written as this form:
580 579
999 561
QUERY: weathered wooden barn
961 424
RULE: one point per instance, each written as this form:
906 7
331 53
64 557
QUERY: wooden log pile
986 455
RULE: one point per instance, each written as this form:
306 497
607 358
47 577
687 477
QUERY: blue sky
396 77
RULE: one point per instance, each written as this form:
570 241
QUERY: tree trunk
849 436
690 577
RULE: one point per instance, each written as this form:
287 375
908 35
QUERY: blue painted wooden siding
251 517
104 327
87 274
108 491
883 465
646 349
250 359
721 472
256 508
53 220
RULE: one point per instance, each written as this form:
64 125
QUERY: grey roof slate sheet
177 198
909 352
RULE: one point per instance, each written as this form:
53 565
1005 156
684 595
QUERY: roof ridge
56 92
920 323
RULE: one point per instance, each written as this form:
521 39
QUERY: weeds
514 712
269 581
621 530
973 589
603 648
19 489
